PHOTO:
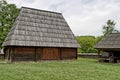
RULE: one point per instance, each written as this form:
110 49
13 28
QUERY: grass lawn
82 69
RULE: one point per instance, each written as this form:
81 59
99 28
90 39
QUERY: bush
87 44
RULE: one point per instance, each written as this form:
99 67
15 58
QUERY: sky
85 17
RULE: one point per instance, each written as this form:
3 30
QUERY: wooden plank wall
23 53
39 53
68 53
51 54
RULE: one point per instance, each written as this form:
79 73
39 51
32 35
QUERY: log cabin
109 48
40 35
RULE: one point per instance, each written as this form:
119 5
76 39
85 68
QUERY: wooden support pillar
111 57
40 54
60 54
8 55
12 55
35 56
4 56
76 54
99 56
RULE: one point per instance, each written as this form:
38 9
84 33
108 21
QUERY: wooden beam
35 57
76 54
99 56
9 54
111 57
40 54
60 54
12 55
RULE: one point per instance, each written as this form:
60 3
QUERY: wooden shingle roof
111 41
35 27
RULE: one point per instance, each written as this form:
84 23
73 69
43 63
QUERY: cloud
91 17
20 3
85 17
31 1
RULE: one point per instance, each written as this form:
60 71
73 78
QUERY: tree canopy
109 27
8 14
87 44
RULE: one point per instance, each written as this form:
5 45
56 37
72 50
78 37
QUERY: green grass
82 69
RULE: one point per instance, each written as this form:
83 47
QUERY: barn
40 35
109 48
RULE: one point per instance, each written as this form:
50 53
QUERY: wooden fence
88 55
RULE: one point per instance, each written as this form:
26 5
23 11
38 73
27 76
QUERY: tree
87 44
109 27
8 13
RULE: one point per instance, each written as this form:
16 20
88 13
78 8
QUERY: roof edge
37 46
41 10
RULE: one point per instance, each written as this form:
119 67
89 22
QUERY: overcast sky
85 17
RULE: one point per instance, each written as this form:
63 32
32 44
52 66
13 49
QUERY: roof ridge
41 10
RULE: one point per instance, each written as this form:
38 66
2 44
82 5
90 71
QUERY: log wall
24 54
68 53
51 54
40 53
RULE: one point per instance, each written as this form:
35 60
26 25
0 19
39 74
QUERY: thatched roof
40 28
111 41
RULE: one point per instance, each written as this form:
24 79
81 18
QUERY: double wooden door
50 53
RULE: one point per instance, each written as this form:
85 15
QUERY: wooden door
50 54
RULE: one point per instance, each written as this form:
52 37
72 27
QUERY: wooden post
35 57
99 56
9 53
12 55
60 54
76 54
5 52
40 54
4 56
111 57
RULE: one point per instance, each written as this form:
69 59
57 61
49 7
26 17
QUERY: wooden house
40 35
110 47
